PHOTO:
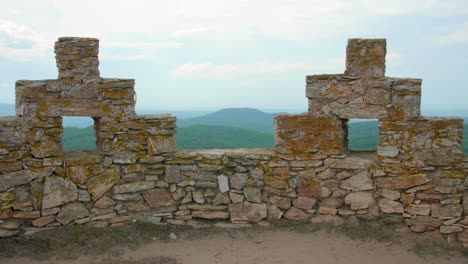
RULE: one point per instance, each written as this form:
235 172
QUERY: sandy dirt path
269 247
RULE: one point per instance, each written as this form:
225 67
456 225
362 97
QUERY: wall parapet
416 178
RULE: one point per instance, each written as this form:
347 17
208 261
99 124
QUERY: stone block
425 141
223 183
366 57
58 191
307 134
250 212
158 197
161 144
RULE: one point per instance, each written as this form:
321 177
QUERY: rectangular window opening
79 133
363 134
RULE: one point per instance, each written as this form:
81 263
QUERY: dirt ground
253 246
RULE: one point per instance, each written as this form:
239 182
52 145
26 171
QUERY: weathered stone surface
238 180
133 187
389 206
296 214
79 174
446 211
252 194
8 233
424 221
305 203
43 221
172 174
26 215
404 182
58 191
206 207
280 202
236 197
158 197
327 219
309 188
100 184
221 198
387 151
307 133
198 196
223 183
210 214
390 194
250 212
161 144
359 182
71 212
418 209
450 229
351 163
21 177
6 200
104 202
359 200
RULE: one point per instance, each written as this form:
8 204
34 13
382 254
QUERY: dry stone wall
416 178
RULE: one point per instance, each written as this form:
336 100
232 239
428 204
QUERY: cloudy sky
211 54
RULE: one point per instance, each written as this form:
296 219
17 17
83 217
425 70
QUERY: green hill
363 135
219 137
78 138
247 118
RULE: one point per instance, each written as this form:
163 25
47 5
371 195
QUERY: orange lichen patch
309 188
307 133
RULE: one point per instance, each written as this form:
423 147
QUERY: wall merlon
366 57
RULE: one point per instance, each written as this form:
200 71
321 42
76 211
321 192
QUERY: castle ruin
416 177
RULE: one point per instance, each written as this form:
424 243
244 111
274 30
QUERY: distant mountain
247 118
219 137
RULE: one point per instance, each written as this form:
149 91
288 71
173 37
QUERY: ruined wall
415 178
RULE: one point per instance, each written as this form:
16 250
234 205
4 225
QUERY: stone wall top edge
366 39
329 76
266 151
396 79
442 118
26 82
117 79
157 116
294 115
9 118
62 39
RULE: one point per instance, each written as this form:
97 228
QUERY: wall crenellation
416 178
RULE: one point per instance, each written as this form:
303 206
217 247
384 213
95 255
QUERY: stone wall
416 178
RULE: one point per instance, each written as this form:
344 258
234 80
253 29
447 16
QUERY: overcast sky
205 55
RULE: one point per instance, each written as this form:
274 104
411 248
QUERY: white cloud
189 32
134 51
458 36
393 59
211 70
21 43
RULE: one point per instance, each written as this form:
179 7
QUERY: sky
211 54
